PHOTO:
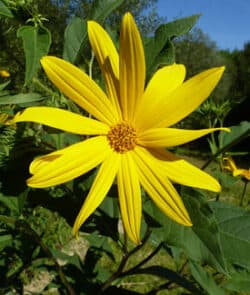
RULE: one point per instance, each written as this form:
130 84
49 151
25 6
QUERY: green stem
225 148
243 192
126 256
42 86
137 266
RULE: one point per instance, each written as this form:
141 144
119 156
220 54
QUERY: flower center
122 137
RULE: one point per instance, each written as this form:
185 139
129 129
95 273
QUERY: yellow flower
229 164
4 74
130 131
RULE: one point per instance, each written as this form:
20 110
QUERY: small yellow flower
4 74
130 131
229 164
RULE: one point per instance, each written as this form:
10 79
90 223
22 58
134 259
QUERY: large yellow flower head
130 132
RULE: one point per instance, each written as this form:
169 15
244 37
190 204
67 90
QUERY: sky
227 22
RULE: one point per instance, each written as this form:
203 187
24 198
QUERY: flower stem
126 256
243 192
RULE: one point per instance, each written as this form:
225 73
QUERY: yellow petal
68 163
75 84
129 197
183 100
231 166
169 137
159 188
99 189
245 173
132 67
62 119
180 171
4 74
163 82
108 60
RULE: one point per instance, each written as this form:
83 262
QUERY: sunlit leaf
102 9
159 49
76 37
36 43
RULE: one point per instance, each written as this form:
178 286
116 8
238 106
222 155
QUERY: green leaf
75 38
178 27
36 43
161 44
4 10
21 98
167 274
205 279
76 35
74 259
5 240
110 206
10 202
239 282
102 9
3 85
101 243
234 227
201 242
237 133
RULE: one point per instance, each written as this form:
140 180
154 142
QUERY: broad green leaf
164 34
166 56
5 240
21 98
234 227
178 27
237 133
102 9
100 242
239 282
201 242
36 43
110 206
4 10
74 259
205 279
76 37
